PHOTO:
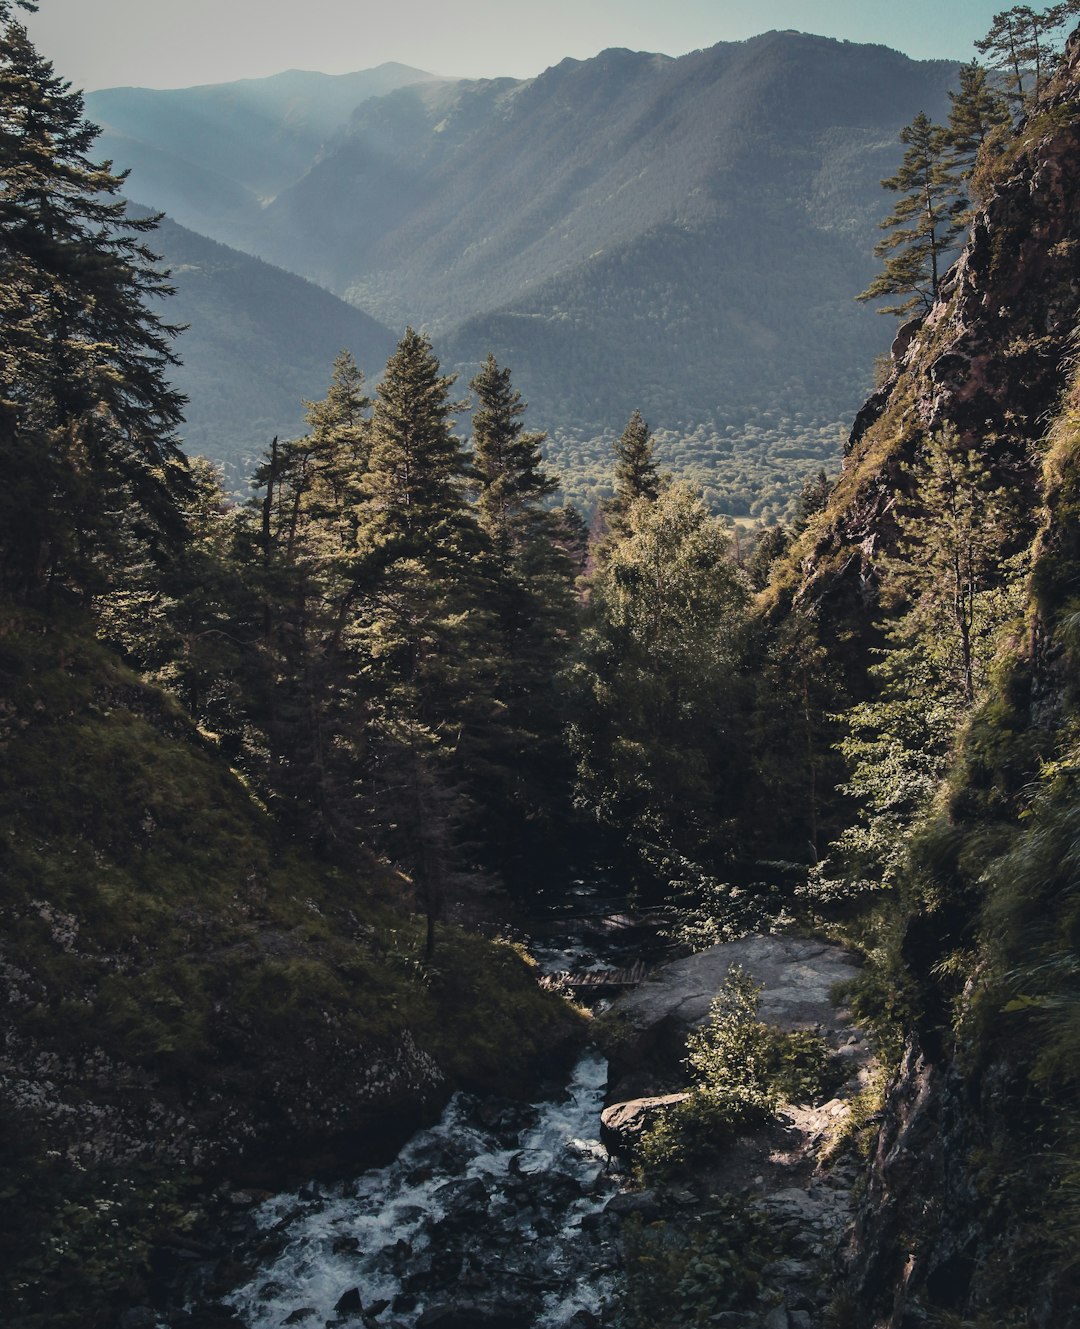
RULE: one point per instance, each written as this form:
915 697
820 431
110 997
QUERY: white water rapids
481 1215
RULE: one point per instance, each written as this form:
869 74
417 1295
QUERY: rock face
954 1214
990 360
621 1124
651 1023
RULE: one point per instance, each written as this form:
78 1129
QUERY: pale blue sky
173 43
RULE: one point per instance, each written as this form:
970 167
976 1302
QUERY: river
491 1219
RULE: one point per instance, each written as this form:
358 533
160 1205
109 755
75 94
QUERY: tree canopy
85 401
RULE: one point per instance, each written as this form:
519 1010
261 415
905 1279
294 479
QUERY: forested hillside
257 343
275 772
679 235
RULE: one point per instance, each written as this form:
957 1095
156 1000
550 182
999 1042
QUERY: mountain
258 343
211 156
684 235
681 235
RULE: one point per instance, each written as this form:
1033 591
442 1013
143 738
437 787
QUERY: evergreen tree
526 778
977 110
1022 45
510 481
425 630
87 416
925 224
312 576
636 475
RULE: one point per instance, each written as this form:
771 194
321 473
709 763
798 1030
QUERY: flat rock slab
796 975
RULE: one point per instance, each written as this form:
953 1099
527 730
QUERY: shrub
741 1070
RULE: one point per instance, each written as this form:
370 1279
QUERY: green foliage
925 224
957 589
684 1277
655 729
87 416
741 1071
636 476
1023 47
977 114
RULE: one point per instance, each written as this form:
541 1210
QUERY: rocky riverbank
757 1227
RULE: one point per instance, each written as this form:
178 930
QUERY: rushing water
491 1219
490 1214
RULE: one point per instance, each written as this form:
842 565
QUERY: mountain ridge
732 193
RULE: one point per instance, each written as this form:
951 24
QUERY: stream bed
491 1219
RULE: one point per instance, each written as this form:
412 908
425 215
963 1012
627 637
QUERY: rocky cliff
970 1209
991 360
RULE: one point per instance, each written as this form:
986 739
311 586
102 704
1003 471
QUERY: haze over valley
682 236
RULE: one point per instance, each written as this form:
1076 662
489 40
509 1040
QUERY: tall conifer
425 630
86 411
925 224
636 475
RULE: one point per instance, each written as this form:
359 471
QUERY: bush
742 1070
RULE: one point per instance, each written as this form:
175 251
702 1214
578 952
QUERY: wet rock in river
532 1162
349 1303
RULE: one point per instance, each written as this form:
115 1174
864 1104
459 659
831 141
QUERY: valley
680 236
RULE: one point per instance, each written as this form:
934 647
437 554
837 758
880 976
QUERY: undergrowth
683 1276
741 1070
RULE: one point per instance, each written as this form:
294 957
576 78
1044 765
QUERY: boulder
651 1023
622 1124
349 1303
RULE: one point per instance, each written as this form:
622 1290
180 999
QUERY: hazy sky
173 43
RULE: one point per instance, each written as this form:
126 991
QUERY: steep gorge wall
991 359
969 1208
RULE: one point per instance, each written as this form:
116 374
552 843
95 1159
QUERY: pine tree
1022 45
977 110
925 224
510 481
526 778
86 412
636 475
425 631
